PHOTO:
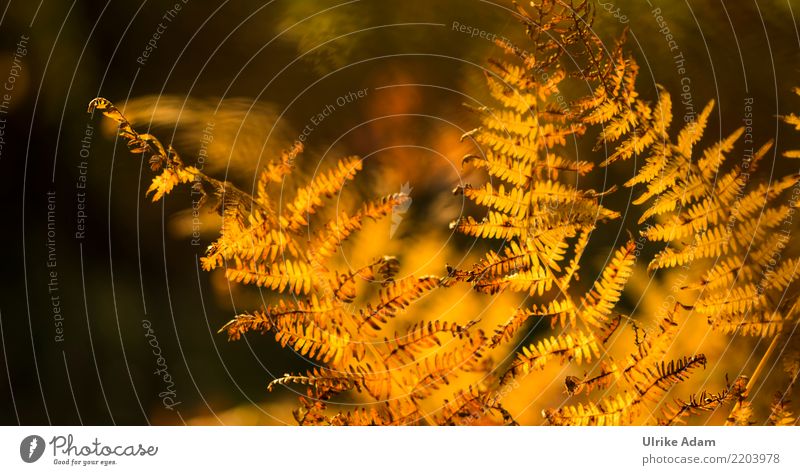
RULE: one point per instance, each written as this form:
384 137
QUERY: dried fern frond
677 412
624 407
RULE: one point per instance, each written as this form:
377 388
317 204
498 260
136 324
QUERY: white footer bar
403 450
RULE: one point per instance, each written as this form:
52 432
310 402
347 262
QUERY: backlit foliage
700 211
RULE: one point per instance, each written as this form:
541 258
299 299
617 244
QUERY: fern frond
499 167
713 157
382 415
295 276
309 198
494 226
331 345
624 407
428 374
421 336
677 412
535 281
652 382
599 303
738 300
339 229
394 299
761 324
724 274
321 380
169 178
343 285
256 244
473 406
513 202
711 243
693 131
609 412
256 321
555 310
580 347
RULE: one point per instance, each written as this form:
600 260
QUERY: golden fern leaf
255 244
555 310
295 276
493 264
761 324
551 202
693 131
648 353
711 243
276 172
513 202
382 415
332 346
311 410
757 199
784 275
624 407
321 380
738 300
535 281
343 285
713 157
308 198
625 121
580 347
164 182
322 313
497 271
711 210
655 165
723 274
516 148
653 347
340 228
741 415
510 122
610 372
609 412
421 336
466 408
500 167
137 143
494 226
510 98
473 406
394 299
255 321
599 303
690 190
428 374
578 249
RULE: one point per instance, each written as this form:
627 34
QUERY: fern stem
756 373
763 362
